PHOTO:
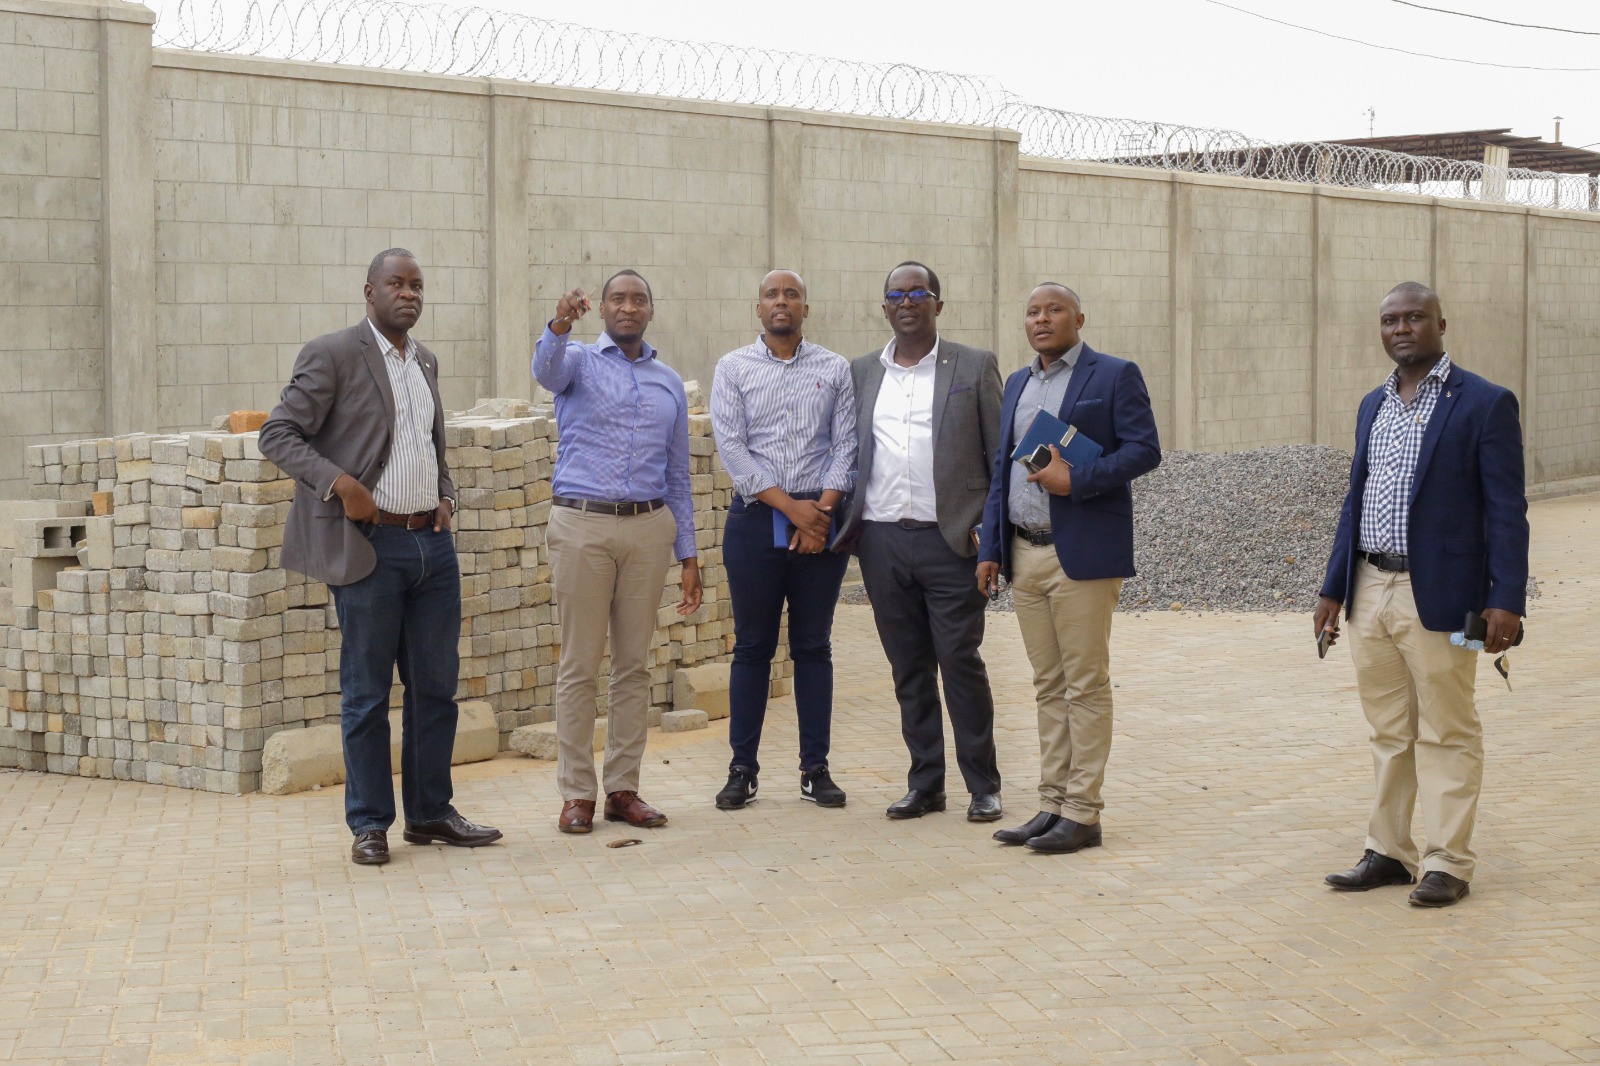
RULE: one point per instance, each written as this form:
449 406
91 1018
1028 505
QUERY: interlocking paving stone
153 926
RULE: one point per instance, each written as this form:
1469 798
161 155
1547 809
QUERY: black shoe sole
637 825
995 817
1368 888
734 804
370 860
427 838
822 803
932 808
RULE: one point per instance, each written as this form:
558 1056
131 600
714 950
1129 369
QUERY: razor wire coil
436 38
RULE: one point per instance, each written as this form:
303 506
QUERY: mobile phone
1324 638
1038 460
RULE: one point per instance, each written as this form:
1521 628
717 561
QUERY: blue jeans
761 579
406 612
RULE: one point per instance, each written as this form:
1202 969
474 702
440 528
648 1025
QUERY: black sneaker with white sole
740 789
817 786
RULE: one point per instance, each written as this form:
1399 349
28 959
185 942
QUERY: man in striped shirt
783 411
361 430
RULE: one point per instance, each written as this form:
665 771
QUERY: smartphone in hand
1038 460
1325 638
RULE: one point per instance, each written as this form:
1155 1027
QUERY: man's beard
1411 359
783 331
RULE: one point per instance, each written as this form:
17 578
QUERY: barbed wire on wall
477 42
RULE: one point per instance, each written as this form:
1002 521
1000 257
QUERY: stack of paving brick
163 642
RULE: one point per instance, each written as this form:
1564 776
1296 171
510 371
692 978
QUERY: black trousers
929 612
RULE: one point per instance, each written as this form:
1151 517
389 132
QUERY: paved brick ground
145 925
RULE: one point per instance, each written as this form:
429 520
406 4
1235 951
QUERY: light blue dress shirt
624 426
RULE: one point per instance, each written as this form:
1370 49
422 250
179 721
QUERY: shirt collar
886 357
1068 361
385 347
606 344
764 348
1440 371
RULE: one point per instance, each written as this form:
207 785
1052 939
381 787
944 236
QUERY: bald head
781 304
782 277
1069 292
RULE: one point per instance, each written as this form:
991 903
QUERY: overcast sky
1190 61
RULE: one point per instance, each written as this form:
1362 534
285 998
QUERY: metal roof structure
1529 153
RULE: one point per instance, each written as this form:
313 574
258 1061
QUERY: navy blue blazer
1468 533
1107 400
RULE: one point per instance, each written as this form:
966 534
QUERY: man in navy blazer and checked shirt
1435 525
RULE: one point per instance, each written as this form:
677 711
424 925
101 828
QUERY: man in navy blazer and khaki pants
1064 538
1435 525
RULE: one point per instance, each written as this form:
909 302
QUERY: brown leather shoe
628 807
577 816
370 848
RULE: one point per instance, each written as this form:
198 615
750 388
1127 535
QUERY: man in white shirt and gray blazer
927 425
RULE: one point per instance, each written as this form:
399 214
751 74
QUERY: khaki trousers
609 573
1066 629
1416 689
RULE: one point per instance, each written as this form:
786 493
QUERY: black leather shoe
370 848
453 830
916 803
1373 871
1038 825
985 807
1067 835
1439 889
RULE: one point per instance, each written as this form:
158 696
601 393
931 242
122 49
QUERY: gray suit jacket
966 431
336 416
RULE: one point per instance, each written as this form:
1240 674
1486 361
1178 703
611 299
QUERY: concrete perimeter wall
170 244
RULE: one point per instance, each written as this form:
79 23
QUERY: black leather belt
914 523
414 520
1039 538
1394 564
621 510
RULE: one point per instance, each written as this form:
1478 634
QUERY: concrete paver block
246 421
12 511
294 760
702 687
684 721
539 740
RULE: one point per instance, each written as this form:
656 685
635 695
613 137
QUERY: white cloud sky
1188 61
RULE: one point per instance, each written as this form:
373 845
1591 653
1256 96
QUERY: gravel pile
1242 531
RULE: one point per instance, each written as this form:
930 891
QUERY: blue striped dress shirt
785 423
1393 448
624 426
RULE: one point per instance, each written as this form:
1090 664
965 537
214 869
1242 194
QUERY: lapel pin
1447 395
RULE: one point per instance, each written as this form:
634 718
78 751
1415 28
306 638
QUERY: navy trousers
762 579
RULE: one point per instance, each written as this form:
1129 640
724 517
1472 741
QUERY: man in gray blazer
927 424
360 428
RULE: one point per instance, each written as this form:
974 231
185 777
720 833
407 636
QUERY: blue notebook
1076 448
783 529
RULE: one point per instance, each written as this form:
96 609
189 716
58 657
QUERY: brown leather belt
1393 564
414 520
621 510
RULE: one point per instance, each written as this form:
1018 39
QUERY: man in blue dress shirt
622 511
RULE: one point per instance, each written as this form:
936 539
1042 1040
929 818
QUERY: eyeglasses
917 297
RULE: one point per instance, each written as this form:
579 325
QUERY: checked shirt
1392 452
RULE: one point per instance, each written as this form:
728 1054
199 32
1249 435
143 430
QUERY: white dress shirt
410 481
901 482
